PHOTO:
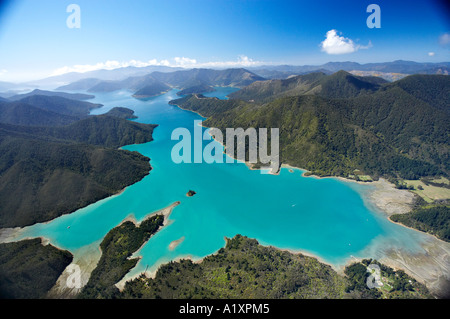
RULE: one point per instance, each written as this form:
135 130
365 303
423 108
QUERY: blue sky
36 42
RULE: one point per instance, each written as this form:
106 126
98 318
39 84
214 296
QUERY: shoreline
384 199
8 235
388 203
166 212
87 257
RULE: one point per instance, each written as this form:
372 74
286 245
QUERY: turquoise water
325 217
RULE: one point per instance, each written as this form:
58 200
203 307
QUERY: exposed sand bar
175 243
431 264
8 235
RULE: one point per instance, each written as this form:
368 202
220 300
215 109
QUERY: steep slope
153 89
28 269
60 105
102 130
24 114
345 85
42 180
49 171
268 90
338 85
386 132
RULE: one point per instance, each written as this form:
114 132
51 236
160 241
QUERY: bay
327 218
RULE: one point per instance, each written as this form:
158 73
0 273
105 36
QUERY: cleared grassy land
430 193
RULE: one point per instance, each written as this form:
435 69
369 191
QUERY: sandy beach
431 266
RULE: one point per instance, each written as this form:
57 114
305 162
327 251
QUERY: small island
122 112
190 193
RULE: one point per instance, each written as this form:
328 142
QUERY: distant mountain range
106 75
386 68
157 82
390 71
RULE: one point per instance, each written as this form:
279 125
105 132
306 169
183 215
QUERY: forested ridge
54 163
395 129
246 270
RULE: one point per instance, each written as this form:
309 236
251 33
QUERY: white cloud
444 39
336 44
183 62
108 65
242 61
431 54
3 71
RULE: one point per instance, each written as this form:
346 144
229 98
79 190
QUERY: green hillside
122 112
117 247
338 85
103 130
246 270
60 105
25 114
434 219
28 270
49 171
381 130
153 89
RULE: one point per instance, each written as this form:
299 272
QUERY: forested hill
396 129
122 112
103 130
153 89
60 105
55 159
25 114
338 85
44 110
47 172
244 269
28 269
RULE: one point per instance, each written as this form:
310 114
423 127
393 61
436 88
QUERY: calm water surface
325 217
